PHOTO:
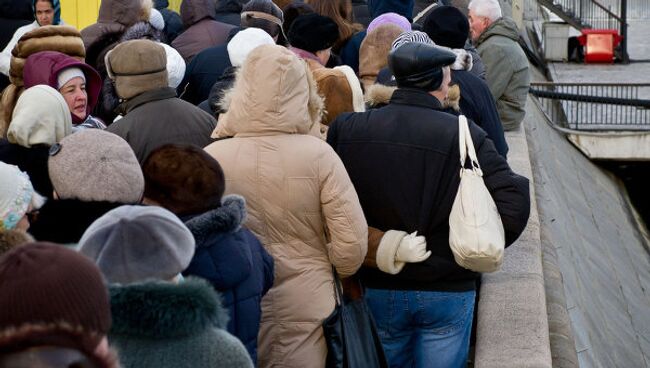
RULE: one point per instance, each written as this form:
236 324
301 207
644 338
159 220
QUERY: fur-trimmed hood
378 95
225 219
159 309
141 31
274 93
10 239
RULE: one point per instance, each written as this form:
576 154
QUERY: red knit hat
45 284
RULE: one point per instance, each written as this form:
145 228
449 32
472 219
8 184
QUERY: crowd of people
184 190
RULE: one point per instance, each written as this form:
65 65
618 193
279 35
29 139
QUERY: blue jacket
235 263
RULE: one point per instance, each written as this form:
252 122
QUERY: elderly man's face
477 25
44 12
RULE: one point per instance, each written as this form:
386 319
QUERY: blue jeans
423 328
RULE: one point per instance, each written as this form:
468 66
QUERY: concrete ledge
512 327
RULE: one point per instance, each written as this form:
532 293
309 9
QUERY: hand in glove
412 249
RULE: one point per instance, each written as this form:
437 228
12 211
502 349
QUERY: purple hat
390 18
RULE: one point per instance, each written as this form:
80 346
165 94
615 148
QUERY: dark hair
341 12
184 179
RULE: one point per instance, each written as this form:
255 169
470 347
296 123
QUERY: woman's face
74 93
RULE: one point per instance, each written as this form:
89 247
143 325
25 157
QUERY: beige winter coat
301 202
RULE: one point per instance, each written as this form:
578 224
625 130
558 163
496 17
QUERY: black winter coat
202 72
403 160
64 221
32 160
155 118
235 263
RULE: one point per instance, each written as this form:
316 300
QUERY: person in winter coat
373 53
294 193
92 172
229 11
153 116
497 41
46 12
450 28
160 319
341 12
40 120
173 21
62 315
78 83
204 70
201 30
190 183
15 14
311 37
238 49
17 200
64 39
408 183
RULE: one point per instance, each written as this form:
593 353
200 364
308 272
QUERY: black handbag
351 334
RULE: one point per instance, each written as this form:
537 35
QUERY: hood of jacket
223 83
225 219
274 93
64 221
41 116
10 239
44 67
159 309
373 52
124 12
192 11
57 11
228 6
503 26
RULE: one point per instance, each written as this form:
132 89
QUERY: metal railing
595 106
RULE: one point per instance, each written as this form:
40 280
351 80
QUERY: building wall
82 13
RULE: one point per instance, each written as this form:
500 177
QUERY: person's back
153 115
506 64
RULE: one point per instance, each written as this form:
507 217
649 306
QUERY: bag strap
338 289
466 146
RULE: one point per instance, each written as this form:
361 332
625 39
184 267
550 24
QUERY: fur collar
10 239
227 218
378 95
158 309
141 31
463 60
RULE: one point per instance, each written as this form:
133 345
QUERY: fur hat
313 32
184 179
447 26
156 19
292 11
95 165
244 42
137 66
45 283
135 243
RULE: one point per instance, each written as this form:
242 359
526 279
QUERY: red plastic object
599 44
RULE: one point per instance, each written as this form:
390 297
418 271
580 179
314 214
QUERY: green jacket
162 324
507 70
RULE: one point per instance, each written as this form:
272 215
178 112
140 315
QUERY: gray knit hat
135 243
95 165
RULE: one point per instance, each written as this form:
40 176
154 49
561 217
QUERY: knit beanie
48 284
137 66
244 42
447 26
262 14
68 74
313 32
95 165
16 194
41 116
156 20
411 36
175 66
136 243
184 179
389 18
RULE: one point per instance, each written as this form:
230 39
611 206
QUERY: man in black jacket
404 162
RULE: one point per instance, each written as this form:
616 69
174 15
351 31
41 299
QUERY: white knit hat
68 74
156 20
41 116
16 194
246 41
175 66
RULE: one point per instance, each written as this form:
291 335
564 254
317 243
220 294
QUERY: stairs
567 15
